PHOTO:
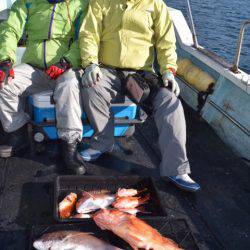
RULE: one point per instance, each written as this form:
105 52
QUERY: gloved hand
168 78
54 71
91 76
6 72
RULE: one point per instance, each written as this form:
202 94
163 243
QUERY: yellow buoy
182 66
194 75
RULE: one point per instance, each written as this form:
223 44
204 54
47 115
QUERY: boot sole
82 159
9 152
184 188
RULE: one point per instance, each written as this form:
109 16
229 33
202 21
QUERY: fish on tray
92 202
66 206
124 192
129 202
136 232
73 240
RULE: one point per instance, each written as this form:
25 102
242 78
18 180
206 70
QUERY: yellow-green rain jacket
123 34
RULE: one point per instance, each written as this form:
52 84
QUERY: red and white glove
54 71
169 81
6 72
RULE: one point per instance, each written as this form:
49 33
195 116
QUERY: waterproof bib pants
30 80
168 115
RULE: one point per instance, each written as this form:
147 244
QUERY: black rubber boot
14 142
69 152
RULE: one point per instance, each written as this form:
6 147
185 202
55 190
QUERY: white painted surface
42 100
183 33
188 93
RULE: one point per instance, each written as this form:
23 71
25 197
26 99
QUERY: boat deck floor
218 215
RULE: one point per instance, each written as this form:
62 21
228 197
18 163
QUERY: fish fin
135 240
144 199
134 247
142 190
88 233
143 210
105 191
80 232
89 194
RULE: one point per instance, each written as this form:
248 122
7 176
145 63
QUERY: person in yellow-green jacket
117 39
50 62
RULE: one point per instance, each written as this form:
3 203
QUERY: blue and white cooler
42 111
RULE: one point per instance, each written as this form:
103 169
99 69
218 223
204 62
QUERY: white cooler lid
127 102
43 99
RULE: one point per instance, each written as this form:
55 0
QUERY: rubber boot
14 142
69 155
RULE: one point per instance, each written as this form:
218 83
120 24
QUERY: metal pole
235 67
196 45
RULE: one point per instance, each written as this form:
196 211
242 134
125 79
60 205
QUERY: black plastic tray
66 184
177 230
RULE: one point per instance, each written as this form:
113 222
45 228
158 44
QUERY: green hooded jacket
50 33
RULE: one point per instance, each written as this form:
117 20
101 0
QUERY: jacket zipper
49 35
51 21
44 54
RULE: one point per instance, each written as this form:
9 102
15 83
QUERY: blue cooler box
43 112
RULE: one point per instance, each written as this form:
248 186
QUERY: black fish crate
67 184
177 230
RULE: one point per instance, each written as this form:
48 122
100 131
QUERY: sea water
217 25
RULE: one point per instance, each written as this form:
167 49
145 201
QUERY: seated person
49 63
122 35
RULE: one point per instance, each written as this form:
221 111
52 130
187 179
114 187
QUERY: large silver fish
92 202
73 240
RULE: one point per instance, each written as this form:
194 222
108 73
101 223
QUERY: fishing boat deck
218 215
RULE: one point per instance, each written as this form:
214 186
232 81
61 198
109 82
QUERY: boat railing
196 44
235 67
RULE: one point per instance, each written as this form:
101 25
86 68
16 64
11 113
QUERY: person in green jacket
49 63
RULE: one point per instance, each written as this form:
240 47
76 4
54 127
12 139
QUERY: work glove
169 81
92 74
6 72
54 71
